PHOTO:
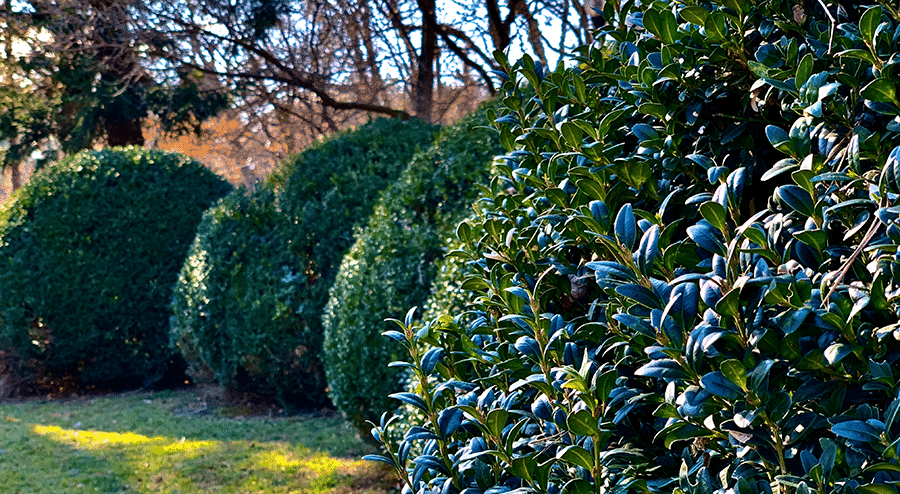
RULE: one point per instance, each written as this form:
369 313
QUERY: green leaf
881 91
681 431
780 139
411 399
796 198
736 5
496 421
779 405
654 110
837 351
735 372
572 133
580 87
578 486
756 235
864 55
603 384
582 423
382 459
578 456
625 227
787 86
868 24
877 489
694 15
715 26
729 304
783 166
639 294
634 173
704 236
759 374
882 467
817 239
668 27
524 466
804 70
715 214
652 21
770 56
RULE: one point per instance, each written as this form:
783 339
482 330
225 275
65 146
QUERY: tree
78 73
389 57
103 71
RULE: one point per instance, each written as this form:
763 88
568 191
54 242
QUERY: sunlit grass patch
136 444
89 439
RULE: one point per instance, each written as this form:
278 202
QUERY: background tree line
252 81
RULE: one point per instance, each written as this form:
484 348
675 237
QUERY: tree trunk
118 66
15 176
424 86
123 132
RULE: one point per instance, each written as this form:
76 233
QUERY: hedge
688 266
89 251
248 304
391 265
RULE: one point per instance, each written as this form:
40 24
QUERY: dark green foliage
329 189
250 296
91 248
392 264
234 309
688 267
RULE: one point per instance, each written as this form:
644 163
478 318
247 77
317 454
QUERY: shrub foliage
90 250
240 280
392 264
248 303
688 266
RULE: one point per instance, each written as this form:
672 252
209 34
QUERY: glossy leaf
717 384
662 369
856 430
582 423
626 227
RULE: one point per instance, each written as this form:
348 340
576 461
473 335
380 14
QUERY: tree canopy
81 73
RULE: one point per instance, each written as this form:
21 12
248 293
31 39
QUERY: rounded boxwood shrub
89 251
248 303
392 263
238 281
688 267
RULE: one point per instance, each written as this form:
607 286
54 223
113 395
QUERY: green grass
156 443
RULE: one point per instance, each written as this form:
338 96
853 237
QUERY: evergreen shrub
90 249
248 303
391 265
688 267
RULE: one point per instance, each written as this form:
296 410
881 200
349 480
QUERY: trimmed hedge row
248 304
392 263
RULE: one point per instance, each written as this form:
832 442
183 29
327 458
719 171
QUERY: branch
326 99
291 77
468 62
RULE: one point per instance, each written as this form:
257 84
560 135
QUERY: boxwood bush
688 266
391 265
89 251
241 280
248 303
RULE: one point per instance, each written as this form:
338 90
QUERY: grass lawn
167 442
